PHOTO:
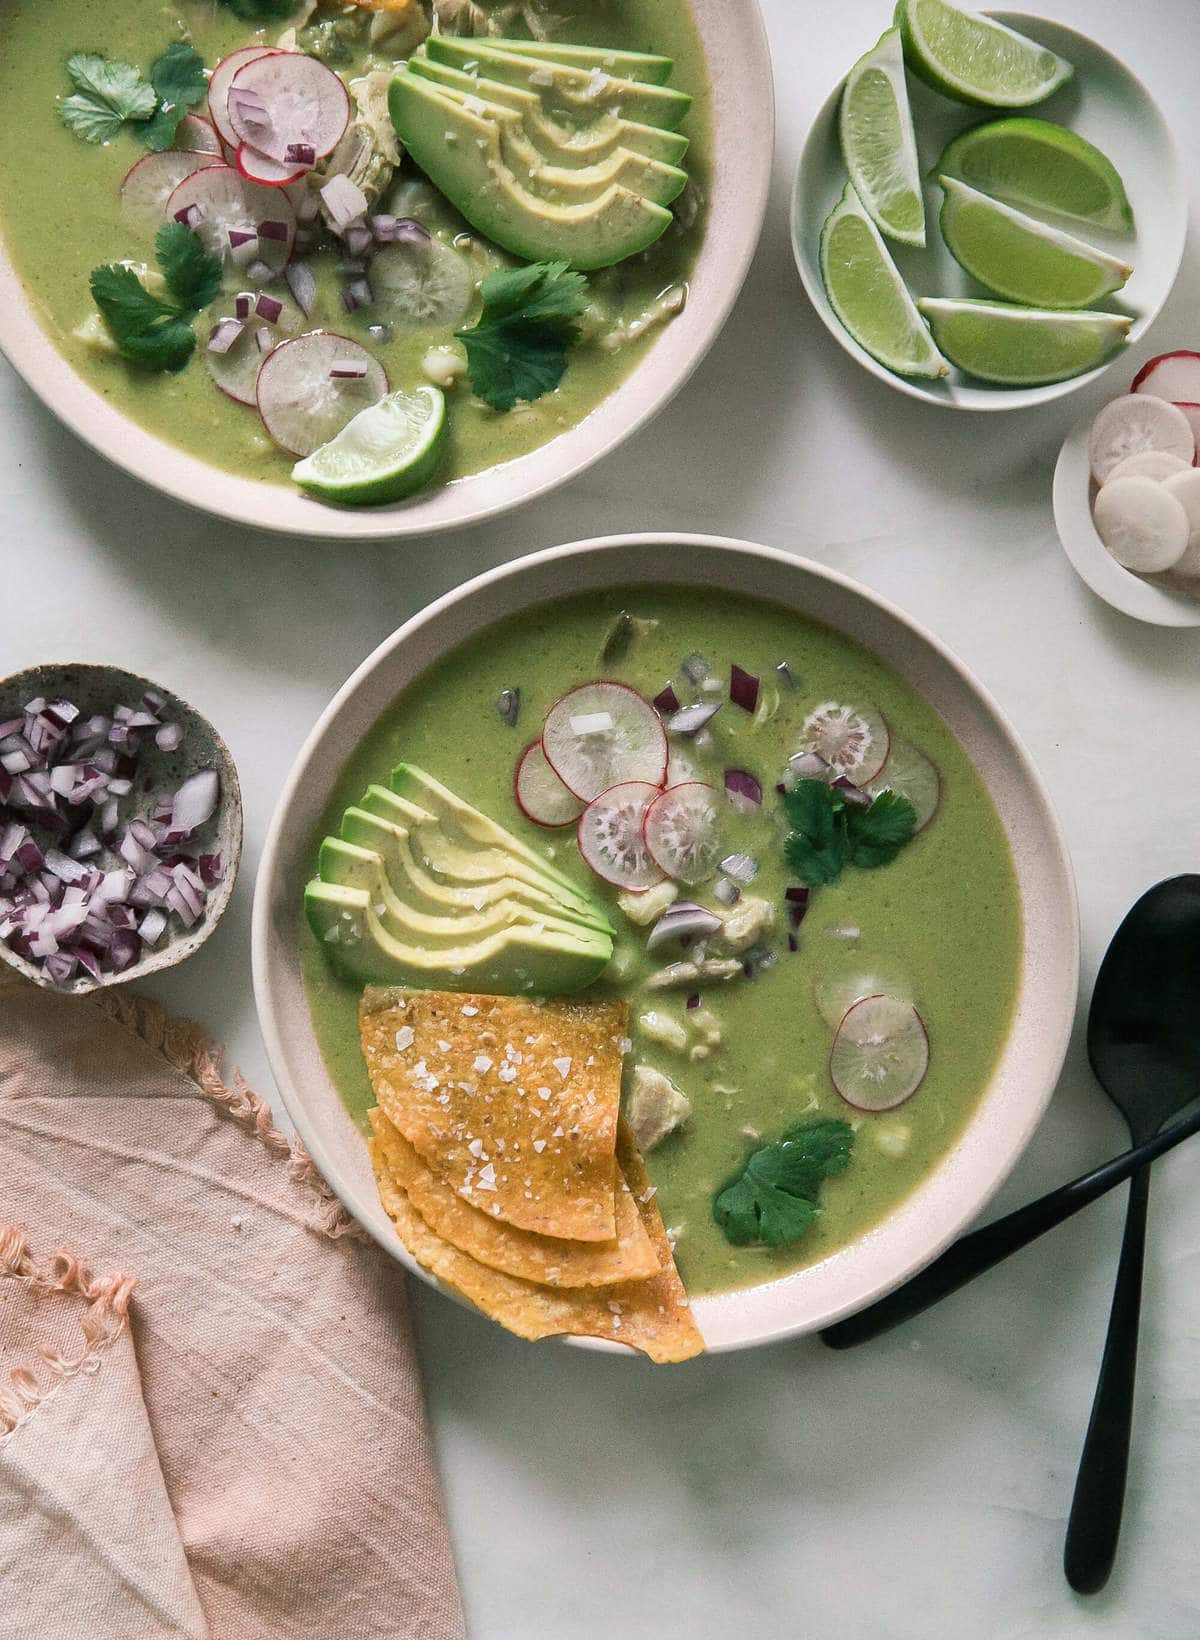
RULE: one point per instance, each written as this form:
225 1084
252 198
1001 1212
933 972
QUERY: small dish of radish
1127 494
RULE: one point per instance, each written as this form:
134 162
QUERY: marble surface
916 1490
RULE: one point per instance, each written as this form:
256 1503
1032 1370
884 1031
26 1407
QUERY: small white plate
1145 598
1103 102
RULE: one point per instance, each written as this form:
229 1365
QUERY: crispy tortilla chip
502 1246
513 1102
652 1316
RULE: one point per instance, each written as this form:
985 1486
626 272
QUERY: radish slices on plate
1143 451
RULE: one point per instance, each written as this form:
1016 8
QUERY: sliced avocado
438 898
629 65
573 184
561 144
546 962
580 93
460 154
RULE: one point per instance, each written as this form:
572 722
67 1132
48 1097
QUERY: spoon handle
979 1251
1095 1523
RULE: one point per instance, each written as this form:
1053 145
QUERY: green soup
61 216
944 916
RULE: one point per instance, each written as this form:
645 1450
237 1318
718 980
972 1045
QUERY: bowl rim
740 187
1143 600
986 398
1050 1003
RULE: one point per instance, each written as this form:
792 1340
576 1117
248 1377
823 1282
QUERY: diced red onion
260 271
743 868
169 737
242 303
344 201
242 236
277 231
666 702
249 106
223 335
683 921
268 308
380 333
695 668
743 688
84 845
691 719
743 790
152 926
726 892
358 239
300 153
350 370
509 706
302 283
195 801
785 675
210 869
797 899
264 339
358 291
191 216
793 943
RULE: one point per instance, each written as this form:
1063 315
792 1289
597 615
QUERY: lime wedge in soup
878 143
1020 346
974 59
868 295
389 451
1041 166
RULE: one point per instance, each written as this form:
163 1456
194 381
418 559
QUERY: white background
919 1487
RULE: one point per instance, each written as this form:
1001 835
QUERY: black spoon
1144 1043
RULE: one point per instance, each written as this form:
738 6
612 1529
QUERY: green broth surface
945 915
60 217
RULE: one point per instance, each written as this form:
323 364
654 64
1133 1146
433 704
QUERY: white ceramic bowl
743 118
1017 1095
1153 599
1105 103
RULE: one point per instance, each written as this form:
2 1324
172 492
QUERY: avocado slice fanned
626 65
423 889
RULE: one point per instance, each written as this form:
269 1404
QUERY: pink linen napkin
211 1421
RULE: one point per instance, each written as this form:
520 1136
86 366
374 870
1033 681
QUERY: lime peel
974 59
1041 166
1019 346
879 145
387 452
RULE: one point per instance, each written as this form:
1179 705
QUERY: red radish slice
853 740
910 774
541 795
231 211
880 1053
683 832
836 995
304 102
603 735
1171 376
256 167
1136 422
197 135
151 182
612 837
235 371
301 404
1192 412
219 84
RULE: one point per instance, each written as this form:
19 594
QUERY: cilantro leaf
816 846
256 11
776 1197
106 95
518 347
876 835
148 331
180 83
193 276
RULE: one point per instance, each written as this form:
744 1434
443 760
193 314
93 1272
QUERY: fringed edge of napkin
107 1311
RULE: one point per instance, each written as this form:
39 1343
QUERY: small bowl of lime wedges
989 208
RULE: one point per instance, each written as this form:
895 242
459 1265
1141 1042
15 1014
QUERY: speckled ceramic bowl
98 689
1014 1100
742 110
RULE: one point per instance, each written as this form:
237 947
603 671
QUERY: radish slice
683 832
1155 464
603 735
1171 376
235 371
1185 487
853 740
612 837
304 102
151 182
1143 526
880 1053
1133 423
231 210
1192 412
910 774
256 167
197 135
836 995
301 404
541 795
218 89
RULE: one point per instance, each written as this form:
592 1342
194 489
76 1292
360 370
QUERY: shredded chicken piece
662 1028
750 921
679 974
643 909
672 301
654 1106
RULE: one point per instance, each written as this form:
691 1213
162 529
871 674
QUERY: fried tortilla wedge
502 1246
511 1100
652 1316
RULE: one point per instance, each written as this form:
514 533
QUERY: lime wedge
1043 166
974 59
1023 259
869 296
1020 346
387 452
878 144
